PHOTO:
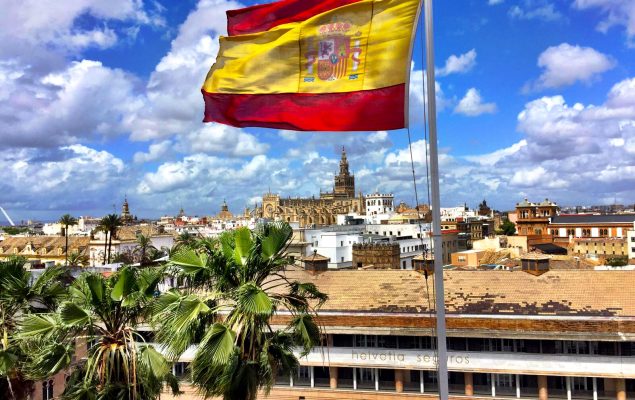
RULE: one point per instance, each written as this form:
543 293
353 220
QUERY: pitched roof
127 233
45 246
563 292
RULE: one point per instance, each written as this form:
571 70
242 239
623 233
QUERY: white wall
413 230
379 204
630 243
336 245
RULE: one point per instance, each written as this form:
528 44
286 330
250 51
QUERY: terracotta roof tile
565 292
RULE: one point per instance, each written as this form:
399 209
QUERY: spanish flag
314 65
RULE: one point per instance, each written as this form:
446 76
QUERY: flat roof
594 219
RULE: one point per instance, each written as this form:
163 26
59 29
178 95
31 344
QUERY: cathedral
320 211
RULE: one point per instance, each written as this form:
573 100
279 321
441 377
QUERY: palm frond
306 332
72 315
252 300
218 345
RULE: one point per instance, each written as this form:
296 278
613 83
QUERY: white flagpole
436 206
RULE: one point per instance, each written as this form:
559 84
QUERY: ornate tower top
344 163
125 211
224 206
344 181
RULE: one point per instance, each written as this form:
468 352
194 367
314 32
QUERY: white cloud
617 12
291 136
472 104
155 152
539 176
180 74
70 177
458 64
101 38
29 25
220 139
419 89
419 152
622 94
535 9
83 101
573 153
201 180
495 156
566 64
494 2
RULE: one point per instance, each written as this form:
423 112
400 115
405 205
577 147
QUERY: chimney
315 262
535 264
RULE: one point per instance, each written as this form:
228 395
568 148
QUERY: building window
47 390
342 259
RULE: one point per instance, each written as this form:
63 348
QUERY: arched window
47 390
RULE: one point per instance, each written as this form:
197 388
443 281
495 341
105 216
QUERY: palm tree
229 295
21 294
144 249
111 222
77 260
105 313
185 239
67 220
103 227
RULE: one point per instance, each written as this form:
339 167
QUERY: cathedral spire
344 163
126 217
344 181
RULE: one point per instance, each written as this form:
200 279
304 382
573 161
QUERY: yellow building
599 247
40 250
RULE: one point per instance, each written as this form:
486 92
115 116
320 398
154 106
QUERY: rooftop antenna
7 216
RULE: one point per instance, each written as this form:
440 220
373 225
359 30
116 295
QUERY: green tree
185 239
12 230
144 250
617 261
22 294
67 220
225 305
106 314
111 223
507 228
77 260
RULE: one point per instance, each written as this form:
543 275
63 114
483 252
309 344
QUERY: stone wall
376 255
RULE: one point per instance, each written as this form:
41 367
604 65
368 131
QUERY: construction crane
7 216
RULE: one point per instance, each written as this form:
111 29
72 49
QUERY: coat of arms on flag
332 51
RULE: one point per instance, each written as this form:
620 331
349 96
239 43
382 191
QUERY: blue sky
100 99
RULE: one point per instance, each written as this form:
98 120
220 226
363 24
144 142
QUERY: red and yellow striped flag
318 65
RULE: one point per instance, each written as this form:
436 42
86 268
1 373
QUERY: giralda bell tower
344 181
